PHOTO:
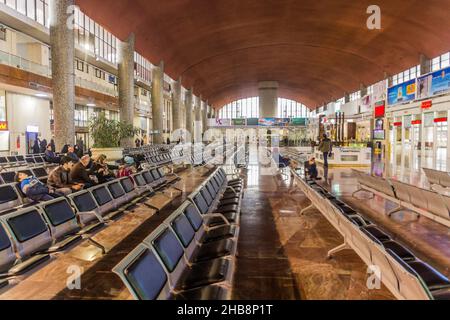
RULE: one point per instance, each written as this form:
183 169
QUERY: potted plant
107 135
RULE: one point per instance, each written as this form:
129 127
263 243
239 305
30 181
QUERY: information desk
347 157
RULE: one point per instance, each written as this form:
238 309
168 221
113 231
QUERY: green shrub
108 133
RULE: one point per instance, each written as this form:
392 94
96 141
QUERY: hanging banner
433 84
379 92
220 122
266 122
402 93
252 121
298 121
366 104
239 122
282 122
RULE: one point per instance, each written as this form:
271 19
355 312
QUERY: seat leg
338 249
311 206
359 190
397 209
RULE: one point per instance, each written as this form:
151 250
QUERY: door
31 137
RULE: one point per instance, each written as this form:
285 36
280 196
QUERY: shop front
419 138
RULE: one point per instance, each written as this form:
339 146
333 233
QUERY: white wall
26 111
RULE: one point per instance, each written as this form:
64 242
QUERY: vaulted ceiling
316 49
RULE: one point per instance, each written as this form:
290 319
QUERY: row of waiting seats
8 162
405 275
191 256
30 236
424 202
186 154
437 178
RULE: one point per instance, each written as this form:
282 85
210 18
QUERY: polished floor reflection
283 255
429 240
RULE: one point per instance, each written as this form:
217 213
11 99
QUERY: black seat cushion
102 196
219 233
432 278
230 196
227 202
205 293
59 212
378 234
227 208
213 250
399 250
203 274
146 275
443 294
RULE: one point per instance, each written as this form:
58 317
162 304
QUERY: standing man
326 147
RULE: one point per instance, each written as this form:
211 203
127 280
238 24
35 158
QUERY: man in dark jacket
51 156
326 147
60 179
80 173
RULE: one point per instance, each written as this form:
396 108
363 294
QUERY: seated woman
127 168
311 169
101 169
34 189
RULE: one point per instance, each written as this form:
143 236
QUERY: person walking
326 147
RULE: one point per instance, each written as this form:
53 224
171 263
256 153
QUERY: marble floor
283 255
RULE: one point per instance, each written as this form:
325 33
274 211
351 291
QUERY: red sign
397 124
380 111
440 120
3 125
427 104
416 122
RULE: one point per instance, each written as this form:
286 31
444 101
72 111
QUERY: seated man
311 169
34 189
59 178
283 162
72 154
50 156
80 174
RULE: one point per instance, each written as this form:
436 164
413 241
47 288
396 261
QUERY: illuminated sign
3 125
32 129
427 104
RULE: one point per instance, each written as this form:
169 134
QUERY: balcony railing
27 65
24 64
95 86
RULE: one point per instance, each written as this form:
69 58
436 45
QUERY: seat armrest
217 215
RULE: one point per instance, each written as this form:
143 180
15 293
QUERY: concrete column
188 106
63 74
268 99
204 116
176 106
126 85
425 64
158 103
198 119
